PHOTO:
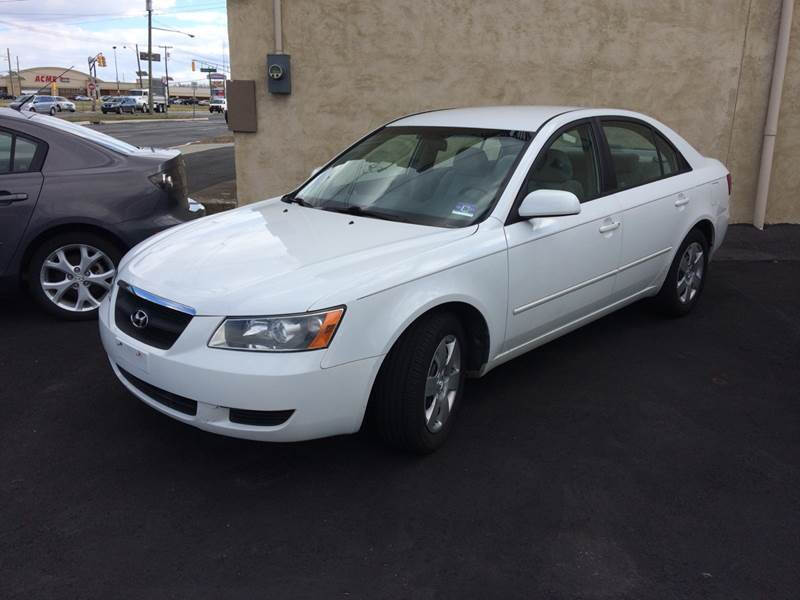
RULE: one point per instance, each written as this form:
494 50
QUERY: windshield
104 140
136 93
217 101
442 176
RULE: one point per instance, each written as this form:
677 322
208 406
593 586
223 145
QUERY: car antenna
36 93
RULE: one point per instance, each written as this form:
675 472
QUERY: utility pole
166 73
149 5
19 79
11 73
116 72
138 66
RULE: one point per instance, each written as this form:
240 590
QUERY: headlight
288 333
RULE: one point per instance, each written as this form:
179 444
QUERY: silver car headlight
284 333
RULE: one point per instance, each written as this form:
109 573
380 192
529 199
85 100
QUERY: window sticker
464 209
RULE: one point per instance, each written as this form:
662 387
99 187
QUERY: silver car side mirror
549 203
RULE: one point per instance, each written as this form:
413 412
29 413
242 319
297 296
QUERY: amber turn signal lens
327 329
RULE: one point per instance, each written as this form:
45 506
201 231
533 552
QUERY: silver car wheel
441 385
77 277
690 272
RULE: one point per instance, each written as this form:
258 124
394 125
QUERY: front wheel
52 111
70 274
420 384
685 280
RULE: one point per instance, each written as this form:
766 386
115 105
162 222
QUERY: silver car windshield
104 140
441 176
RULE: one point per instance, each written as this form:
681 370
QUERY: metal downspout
773 110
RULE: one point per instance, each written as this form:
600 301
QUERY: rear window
104 140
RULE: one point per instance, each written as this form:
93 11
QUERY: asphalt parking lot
638 457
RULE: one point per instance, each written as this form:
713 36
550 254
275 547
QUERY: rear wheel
71 273
52 111
420 384
685 280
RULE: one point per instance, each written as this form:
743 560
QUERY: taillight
164 181
730 183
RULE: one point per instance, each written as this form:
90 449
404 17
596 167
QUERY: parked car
72 202
218 105
6 96
64 104
81 98
119 105
203 102
450 242
38 104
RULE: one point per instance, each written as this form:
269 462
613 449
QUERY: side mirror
549 203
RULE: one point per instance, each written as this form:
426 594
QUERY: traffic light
193 67
101 60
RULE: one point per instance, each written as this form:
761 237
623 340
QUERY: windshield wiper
292 199
363 212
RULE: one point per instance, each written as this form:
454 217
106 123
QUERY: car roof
522 118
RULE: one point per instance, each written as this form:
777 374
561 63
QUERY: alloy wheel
77 277
441 385
690 272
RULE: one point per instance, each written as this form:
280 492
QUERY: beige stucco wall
702 67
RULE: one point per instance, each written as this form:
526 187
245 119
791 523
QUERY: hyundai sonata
435 248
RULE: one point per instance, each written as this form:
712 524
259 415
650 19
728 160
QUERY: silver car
41 104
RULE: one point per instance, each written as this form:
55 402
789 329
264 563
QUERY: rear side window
671 161
634 156
24 152
5 152
17 154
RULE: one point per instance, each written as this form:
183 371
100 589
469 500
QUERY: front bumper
324 402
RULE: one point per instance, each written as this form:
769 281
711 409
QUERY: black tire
398 403
670 300
52 111
58 107
46 249
119 111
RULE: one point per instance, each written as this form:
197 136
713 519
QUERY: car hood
274 258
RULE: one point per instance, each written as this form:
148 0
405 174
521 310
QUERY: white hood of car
275 258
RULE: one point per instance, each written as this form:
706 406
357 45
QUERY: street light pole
116 72
149 5
166 74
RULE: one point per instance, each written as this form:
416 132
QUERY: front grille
168 399
163 324
261 418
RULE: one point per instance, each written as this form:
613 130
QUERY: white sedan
435 248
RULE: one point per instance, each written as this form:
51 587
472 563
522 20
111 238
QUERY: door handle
609 227
682 200
7 198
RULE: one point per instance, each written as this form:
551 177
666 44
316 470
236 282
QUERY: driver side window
569 163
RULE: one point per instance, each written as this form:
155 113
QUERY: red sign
90 87
51 79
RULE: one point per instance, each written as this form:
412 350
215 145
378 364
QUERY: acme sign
51 79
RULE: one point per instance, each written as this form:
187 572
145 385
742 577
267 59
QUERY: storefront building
703 68
58 81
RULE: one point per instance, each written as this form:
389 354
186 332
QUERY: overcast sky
63 33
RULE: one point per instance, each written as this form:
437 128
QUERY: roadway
204 169
165 133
